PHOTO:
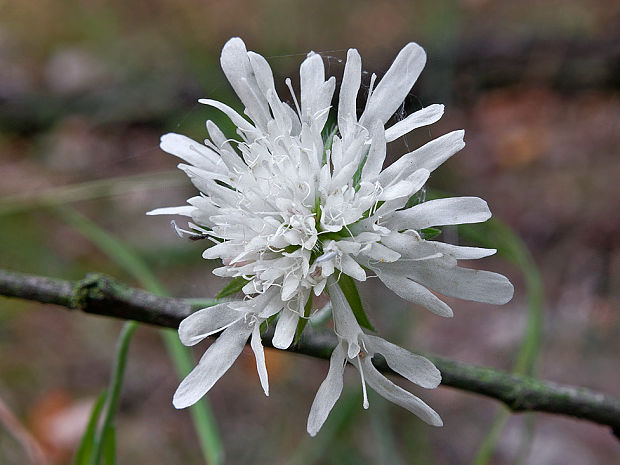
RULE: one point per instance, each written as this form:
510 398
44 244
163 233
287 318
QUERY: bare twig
102 295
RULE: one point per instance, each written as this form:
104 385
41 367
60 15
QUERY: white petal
423 117
412 246
255 104
463 283
343 176
235 117
220 140
405 188
328 392
312 77
234 60
189 150
439 212
259 354
398 395
324 103
395 85
185 210
460 252
205 322
290 286
236 66
218 358
414 183
429 156
415 368
272 306
294 117
350 267
337 155
205 209
223 250
346 325
319 287
413 292
376 154
381 253
345 246
262 72
285 329
205 183
347 103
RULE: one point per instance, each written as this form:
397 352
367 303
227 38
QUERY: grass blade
85 448
496 234
109 446
113 394
202 415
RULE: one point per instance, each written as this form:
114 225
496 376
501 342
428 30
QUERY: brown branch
102 295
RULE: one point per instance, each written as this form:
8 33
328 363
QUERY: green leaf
429 233
109 446
303 321
233 286
353 297
85 448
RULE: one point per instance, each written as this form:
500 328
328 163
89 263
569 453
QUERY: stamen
290 88
365 394
320 113
191 235
178 230
373 77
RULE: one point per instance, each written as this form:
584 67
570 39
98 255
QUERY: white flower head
291 205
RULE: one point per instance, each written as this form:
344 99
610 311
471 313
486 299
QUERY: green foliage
430 233
104 442
232 287
202 416
353 297
109 446
85 448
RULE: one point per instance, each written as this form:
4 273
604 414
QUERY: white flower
358 349
238 323
290 209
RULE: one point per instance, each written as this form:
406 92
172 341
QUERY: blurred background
86 90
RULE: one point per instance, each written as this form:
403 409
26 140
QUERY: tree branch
102 295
